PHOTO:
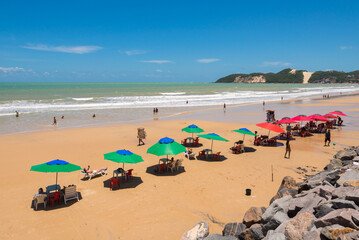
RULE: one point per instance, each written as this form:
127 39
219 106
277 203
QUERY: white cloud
135 52
159 70
157 61
345 47
12 69
46 74
277 64
208 60
64 49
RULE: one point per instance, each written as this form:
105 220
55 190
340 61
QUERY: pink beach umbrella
340 113
328 115
286 121
302 118
319 118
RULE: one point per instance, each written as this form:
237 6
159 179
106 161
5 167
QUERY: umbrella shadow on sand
57 205
210 158
131 183
249 149
277 144
154 171
188 145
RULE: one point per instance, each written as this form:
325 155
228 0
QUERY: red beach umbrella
271 127
286 121
319 118
302 119
340 113
328 115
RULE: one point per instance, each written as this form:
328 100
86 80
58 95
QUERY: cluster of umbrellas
167 146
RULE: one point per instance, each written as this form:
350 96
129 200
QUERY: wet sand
151 206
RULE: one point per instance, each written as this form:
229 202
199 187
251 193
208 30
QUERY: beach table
53 187
190 140
118 171
207 151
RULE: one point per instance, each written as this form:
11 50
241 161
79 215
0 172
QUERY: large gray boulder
233 229
334 231
278 218
317 179
313 234
353 196
288 182
343 217
341 192
255 232
340 203
253 215
350 175
298 225
346 154
324 191
198 232
220 237
284 192
323 209
271 235
306 203
349 236
279 205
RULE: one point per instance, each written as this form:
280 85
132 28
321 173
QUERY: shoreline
176 116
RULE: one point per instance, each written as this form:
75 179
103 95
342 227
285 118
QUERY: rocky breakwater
324 206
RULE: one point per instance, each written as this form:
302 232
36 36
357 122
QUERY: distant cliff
293 76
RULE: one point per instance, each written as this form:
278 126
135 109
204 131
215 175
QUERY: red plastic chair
195 143
55 197
184 142
202 154
217 156
114 181
161 168
129 174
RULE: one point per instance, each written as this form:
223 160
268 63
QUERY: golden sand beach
153 207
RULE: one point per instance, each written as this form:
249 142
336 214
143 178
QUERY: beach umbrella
328 115
245 132
319 118
212 136
270 127
55 166
340 113
192 129
166 146
123 156
302 118
286 121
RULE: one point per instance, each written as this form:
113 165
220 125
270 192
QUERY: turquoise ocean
114 103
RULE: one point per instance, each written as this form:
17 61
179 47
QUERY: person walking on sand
327 138
287 149
55 122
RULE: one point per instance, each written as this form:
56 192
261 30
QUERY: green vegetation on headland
293 76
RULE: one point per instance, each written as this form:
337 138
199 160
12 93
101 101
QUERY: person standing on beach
224 107
55 122
327 138
17 114
264 103
287 149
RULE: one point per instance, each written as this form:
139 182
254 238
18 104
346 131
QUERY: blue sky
192 41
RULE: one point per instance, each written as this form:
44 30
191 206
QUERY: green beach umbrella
55 166
245 132
123 156
192 129
212 136
166 146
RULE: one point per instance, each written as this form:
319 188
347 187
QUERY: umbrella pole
212 145
56 181
244 137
